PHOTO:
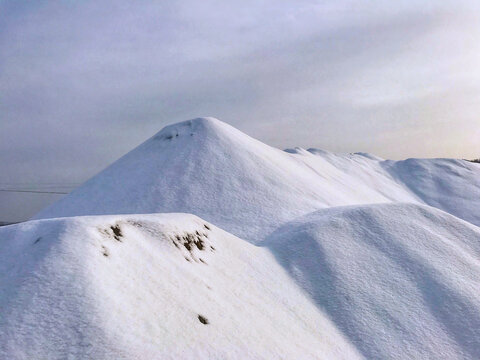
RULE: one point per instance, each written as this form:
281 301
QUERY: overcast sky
83 82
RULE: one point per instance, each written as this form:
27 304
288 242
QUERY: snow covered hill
385 281
166 286
208 168
401 281
337 257
448 184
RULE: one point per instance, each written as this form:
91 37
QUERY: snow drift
401 281
385 281
448 184
210 169
167 286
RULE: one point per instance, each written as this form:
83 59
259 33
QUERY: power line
33 191
40 184
29 186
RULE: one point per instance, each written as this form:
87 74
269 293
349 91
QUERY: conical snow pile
210 169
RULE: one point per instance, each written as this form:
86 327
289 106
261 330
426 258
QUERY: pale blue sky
83 82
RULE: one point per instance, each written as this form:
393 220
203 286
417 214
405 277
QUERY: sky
84 82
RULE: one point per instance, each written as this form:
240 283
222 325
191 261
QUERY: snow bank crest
203 126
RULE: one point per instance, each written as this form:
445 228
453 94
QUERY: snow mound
400 281
210 169
164 286
448 184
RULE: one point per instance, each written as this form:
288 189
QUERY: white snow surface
210 169
382 281
401 281
337 257
72 289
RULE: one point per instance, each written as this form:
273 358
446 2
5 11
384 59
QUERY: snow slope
354 260
448 184
383 281
133 287
401 281
208 168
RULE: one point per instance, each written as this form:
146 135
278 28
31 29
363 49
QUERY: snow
74 289
448 184
210 169
383 281
204 243
400 281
